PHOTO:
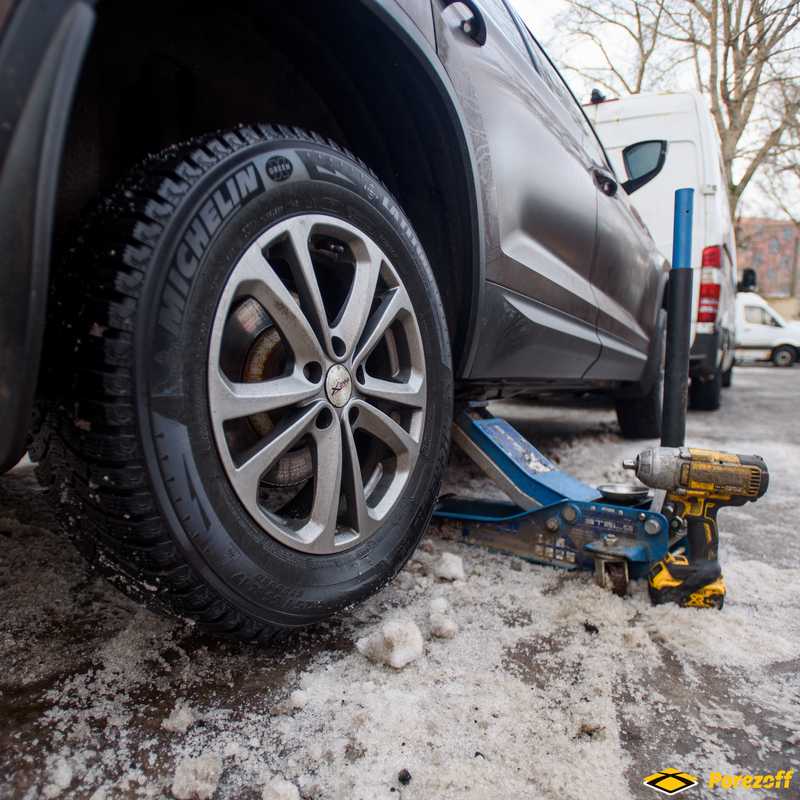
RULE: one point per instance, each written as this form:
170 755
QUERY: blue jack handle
679 312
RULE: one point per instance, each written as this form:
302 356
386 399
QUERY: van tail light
710 281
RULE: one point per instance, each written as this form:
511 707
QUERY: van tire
706 395
784 356
727 377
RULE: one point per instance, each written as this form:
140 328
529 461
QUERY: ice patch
439 605
279 789
197 778
396 643
443 627
298 699
60 779
449 567
180 720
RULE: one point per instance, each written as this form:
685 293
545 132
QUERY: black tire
727 377
706 395
784 356
640 417
125 442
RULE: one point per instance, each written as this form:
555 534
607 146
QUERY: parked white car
763 334
667 141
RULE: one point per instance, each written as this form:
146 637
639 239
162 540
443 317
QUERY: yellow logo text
780 780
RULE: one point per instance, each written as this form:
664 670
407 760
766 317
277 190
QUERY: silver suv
233 344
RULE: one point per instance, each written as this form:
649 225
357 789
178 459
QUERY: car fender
40 63
403 18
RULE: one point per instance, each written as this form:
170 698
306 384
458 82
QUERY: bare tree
780 181
635 26
744 55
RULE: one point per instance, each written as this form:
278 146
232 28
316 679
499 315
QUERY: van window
756 315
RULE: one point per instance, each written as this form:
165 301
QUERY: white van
659 143
763 334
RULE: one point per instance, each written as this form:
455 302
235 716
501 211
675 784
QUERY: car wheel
727 377
255 421
784 356
706 395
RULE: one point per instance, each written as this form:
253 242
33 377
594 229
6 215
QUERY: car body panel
572 264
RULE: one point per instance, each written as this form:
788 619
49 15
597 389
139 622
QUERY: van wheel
784 356
706 395
727 377
250 389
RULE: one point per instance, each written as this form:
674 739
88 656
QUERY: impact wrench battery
697 484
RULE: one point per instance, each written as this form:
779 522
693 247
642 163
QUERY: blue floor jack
621 531
552 517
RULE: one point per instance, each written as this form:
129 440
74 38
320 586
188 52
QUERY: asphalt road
551 688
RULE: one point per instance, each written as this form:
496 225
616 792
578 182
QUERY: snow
396 643
60 779
442 625
449 567
298 699
279 789
439 605
181 718
547 671
197 778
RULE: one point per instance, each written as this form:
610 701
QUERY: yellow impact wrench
697 484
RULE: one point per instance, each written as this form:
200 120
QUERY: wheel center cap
338 385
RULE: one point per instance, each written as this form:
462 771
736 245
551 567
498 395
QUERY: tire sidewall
783 349
219 538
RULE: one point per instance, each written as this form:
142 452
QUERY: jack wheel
617 576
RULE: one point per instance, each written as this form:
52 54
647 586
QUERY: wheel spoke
230 400
298 231
393 302
384 428
327 487
246 477
353 483
256 277
359 300
410 393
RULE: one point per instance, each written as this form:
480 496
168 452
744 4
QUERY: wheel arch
150 88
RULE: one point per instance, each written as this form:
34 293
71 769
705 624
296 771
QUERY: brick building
772 248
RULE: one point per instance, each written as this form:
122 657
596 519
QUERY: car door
628 276
538 195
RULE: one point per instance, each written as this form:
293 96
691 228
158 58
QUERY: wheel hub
338 385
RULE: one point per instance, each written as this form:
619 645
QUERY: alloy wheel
316 383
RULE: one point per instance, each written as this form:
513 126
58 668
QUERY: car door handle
475 28
606 182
